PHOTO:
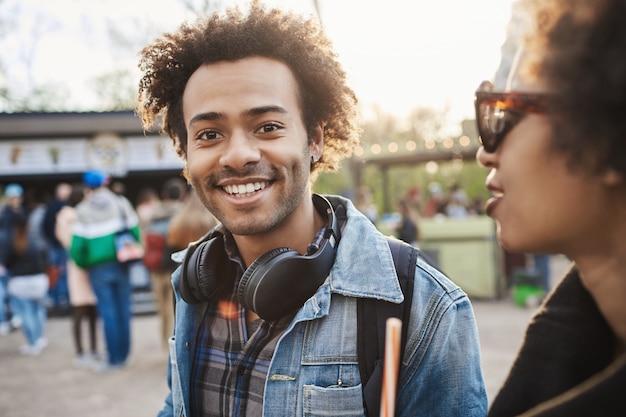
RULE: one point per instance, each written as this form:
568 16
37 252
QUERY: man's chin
249 227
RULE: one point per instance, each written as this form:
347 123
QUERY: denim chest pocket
331 383
329 352
333 338
333 401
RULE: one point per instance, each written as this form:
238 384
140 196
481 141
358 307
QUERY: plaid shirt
229 367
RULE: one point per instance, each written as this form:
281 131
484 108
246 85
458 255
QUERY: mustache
229 173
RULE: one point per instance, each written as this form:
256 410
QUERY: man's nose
241 149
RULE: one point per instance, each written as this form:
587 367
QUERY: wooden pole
393 330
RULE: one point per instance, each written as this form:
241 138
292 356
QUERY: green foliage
337 183
468 175
387 184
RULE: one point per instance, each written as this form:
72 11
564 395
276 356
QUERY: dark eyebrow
210 116
257 111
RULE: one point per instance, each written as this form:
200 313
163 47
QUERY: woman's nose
484 158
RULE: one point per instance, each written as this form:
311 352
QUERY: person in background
190 223
456 203
553 137
99 217
413 198
58 293
477 206
36 209
13 207
118 187
257 105
173 194
27 260
147 202
82 297
435 205
364 202
541 266
408 228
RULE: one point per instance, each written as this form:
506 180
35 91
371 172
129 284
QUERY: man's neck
295 232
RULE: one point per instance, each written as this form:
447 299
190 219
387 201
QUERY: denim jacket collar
363 267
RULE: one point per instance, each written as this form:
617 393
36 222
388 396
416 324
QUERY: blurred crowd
59 257
452 203
166 220
415 205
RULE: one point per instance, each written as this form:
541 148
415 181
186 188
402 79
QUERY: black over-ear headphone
274 285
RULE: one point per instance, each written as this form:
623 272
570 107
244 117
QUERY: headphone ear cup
250 279
210 267
205 275
188 285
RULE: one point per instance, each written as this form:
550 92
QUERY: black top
567 365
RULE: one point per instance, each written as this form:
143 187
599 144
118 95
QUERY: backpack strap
372 315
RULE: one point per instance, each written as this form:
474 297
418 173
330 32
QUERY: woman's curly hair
584 63
298 42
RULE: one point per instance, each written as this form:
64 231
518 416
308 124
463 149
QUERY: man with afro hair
257 104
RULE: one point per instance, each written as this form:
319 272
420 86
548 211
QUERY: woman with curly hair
257 104
554 139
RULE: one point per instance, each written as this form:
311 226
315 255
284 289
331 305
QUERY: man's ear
612 178
186 173
317 142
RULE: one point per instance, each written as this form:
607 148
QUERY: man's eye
269 127
208 135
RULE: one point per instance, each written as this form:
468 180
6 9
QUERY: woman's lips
496 196
490 205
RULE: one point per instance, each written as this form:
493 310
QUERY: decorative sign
106 151
152 152
25 157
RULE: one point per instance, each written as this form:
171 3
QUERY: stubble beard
247 221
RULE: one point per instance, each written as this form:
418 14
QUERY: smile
244 190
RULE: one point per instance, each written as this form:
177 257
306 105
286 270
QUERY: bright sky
399 54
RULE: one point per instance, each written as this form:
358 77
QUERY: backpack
372 315
157 252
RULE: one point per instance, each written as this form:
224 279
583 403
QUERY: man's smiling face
248 155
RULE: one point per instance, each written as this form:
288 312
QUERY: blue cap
94 178
13 190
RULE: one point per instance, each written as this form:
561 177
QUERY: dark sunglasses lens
498 113
491 126
494 124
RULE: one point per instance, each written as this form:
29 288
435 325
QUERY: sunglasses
498 113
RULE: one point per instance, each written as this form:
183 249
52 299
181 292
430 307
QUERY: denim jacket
314 371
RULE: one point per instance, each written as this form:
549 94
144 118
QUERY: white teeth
244 190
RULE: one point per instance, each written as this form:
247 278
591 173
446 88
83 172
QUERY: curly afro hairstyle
298 42
583 60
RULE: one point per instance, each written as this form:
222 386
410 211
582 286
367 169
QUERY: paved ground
49 385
